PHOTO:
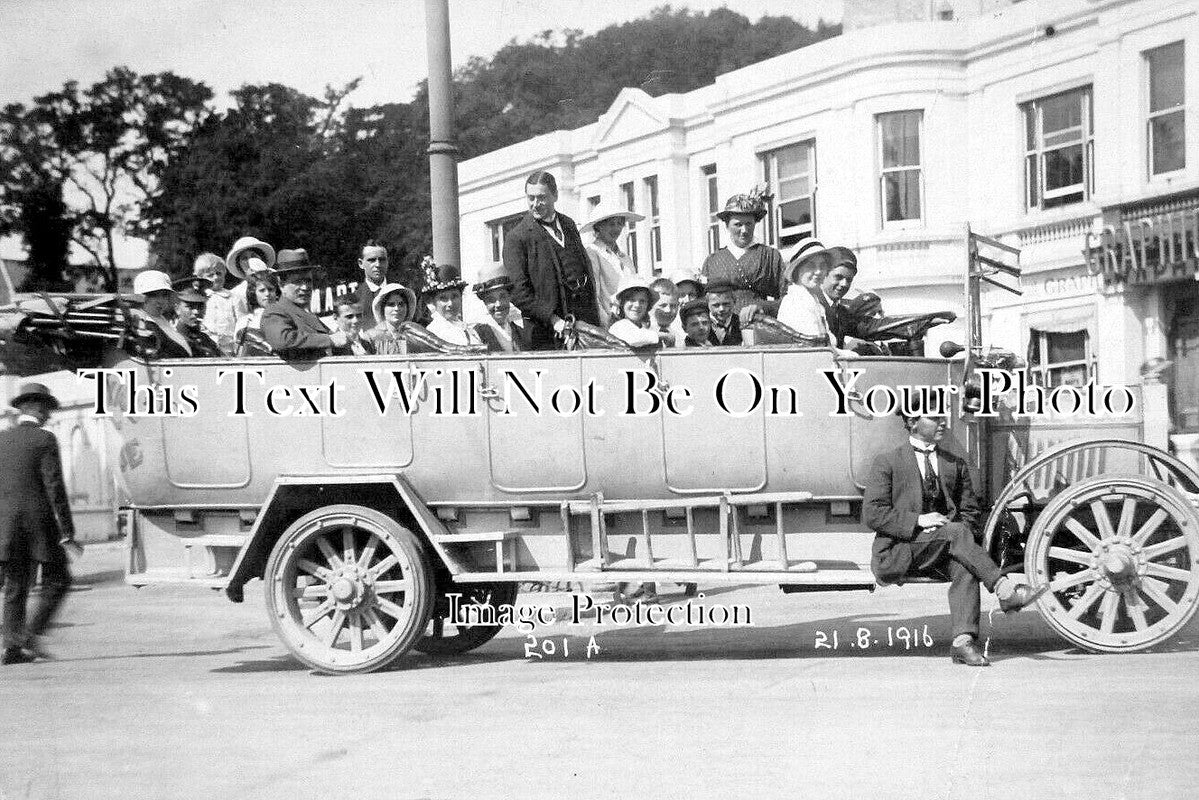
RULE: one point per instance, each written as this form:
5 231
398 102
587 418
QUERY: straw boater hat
440 277
264 251
753 204
152 280
34 391
605 211
812 254
492 277
392 288
294 260
632 283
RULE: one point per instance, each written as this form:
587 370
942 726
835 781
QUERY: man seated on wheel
920 501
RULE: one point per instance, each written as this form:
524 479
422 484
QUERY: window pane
651 185
902 191
1061 112
792 161
626 189
1066 346
1033 180
1030 127
900 134
794 186
1165 77
1168 142
1063 168
796 212
1068 376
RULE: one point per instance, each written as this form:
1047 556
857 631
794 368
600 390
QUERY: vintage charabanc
364 491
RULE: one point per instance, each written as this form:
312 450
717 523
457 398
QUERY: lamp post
443 153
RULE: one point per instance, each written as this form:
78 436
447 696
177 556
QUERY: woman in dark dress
754 270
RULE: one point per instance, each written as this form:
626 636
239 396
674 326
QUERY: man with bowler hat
35 524
293 331
550 269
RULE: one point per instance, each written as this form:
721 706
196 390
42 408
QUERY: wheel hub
1118 562
348 587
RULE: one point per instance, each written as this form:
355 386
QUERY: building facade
1066 128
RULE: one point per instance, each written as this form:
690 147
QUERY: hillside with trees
149 156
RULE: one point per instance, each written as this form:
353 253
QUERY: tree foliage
147 156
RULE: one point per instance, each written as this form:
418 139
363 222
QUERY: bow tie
926 450
549 223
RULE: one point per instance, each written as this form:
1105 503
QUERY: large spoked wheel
446 639
1030 490
348 589
1120 554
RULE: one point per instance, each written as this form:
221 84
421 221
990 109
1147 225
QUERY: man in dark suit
35 523
550 271
920 501
293 331
374 265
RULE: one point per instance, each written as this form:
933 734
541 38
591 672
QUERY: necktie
931 487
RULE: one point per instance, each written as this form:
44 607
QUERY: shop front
1150 251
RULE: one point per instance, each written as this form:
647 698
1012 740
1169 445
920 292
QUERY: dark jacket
539 271
348 350
733 337
893 500
519 334
34 512
295 332
366 311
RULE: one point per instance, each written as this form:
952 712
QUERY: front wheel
348 589
1120 555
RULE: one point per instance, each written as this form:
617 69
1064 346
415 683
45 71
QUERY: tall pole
443 153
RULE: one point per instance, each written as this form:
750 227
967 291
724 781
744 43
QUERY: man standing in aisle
35 524
550 270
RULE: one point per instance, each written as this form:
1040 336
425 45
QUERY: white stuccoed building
1039 123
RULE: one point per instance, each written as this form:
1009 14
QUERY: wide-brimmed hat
392 288
152 280
440 277
249 243
630 283
605 211
294 260
34 391
753 203
684 275
491 277
691 308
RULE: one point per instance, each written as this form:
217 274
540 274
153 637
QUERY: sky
306 44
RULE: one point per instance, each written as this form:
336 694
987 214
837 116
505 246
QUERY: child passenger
697 325
664 316
633 301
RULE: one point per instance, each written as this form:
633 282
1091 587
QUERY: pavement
172 691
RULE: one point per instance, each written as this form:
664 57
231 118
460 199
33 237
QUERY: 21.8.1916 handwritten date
865 638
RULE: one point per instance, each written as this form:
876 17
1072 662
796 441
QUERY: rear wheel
446 639
1120 555
348 589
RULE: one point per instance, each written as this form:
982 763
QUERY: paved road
167 692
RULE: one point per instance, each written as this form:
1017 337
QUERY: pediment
630 116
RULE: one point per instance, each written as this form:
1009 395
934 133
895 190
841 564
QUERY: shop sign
1149 249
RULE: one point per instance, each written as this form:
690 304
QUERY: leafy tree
105 147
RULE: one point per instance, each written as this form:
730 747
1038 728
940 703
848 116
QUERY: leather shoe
969 654
38 650
15 655
1023 595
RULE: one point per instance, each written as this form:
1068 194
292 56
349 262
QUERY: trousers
952 548
17 576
